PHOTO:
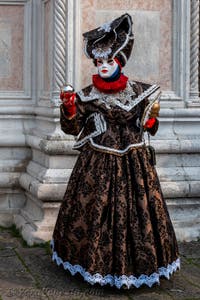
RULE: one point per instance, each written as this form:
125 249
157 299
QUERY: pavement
28 273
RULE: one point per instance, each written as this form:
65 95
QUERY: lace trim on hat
115 280
106 27
101 53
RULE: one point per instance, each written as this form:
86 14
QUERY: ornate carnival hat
113 39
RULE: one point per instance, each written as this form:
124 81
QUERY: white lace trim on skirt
115 280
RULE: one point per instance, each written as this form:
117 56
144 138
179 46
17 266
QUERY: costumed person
113 225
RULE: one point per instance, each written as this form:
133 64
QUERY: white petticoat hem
115 280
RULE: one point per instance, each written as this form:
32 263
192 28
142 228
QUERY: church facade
41 49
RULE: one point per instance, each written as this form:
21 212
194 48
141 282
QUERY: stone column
59 55
194 52
48 171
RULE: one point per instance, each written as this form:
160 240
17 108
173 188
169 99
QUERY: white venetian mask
106 67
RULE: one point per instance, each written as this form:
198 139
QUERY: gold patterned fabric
113 225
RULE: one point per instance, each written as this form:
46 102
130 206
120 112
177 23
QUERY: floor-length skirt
113 225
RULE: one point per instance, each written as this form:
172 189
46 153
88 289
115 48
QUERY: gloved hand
153 114
150 123
68 100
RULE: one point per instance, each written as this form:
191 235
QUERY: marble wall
41 47
16 112
151 58
11 47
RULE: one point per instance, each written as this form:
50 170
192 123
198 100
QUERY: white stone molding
25 94
73 44
194 52
43 97
186 215
13 2
27 47
181 49
36 8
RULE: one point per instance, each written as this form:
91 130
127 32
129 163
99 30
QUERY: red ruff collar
110 87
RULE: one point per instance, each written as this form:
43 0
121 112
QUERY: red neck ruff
109 87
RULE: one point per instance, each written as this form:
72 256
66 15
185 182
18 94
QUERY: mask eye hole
110 61
99 62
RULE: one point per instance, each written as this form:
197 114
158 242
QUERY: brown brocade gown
113 225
